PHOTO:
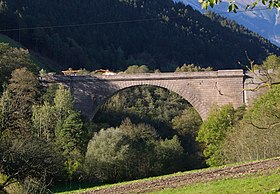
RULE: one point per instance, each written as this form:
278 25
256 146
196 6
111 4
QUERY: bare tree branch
269 126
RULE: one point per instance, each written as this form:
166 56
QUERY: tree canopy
233 6
257 135
12 58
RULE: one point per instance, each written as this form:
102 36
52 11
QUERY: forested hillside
176 35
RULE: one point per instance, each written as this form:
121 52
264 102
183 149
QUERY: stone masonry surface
201 89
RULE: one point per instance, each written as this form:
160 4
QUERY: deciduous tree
11 59
44 121
22 159
257 135
132 151
23 91
213 132
187 125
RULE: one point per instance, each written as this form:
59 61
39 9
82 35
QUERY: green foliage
187 125
16 103
268 73
257 135
11 59
26 156
213 132
167 112
57 121
144 104
37 141
56 107
170 155
22 159
271 66
69 135
49 94
6 111
12 188
142 140
192 68
188 122
272 62
106 155
140 131
266 109
131 151
233 7
44 121
63 103
137 69
70 139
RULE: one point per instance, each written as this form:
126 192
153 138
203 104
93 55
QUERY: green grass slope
268 182
254 177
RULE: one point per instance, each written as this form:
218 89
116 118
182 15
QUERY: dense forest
158 33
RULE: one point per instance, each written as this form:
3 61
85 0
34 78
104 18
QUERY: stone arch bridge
200 89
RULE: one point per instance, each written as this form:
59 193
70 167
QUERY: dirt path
188 178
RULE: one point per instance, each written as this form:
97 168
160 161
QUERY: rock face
263 21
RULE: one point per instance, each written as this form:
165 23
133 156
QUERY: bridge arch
187 93
201 89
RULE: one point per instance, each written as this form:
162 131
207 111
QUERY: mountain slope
176 34
260 20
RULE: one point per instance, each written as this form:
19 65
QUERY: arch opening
144 103
186 94
161 111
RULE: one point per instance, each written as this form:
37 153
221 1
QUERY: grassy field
261 183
